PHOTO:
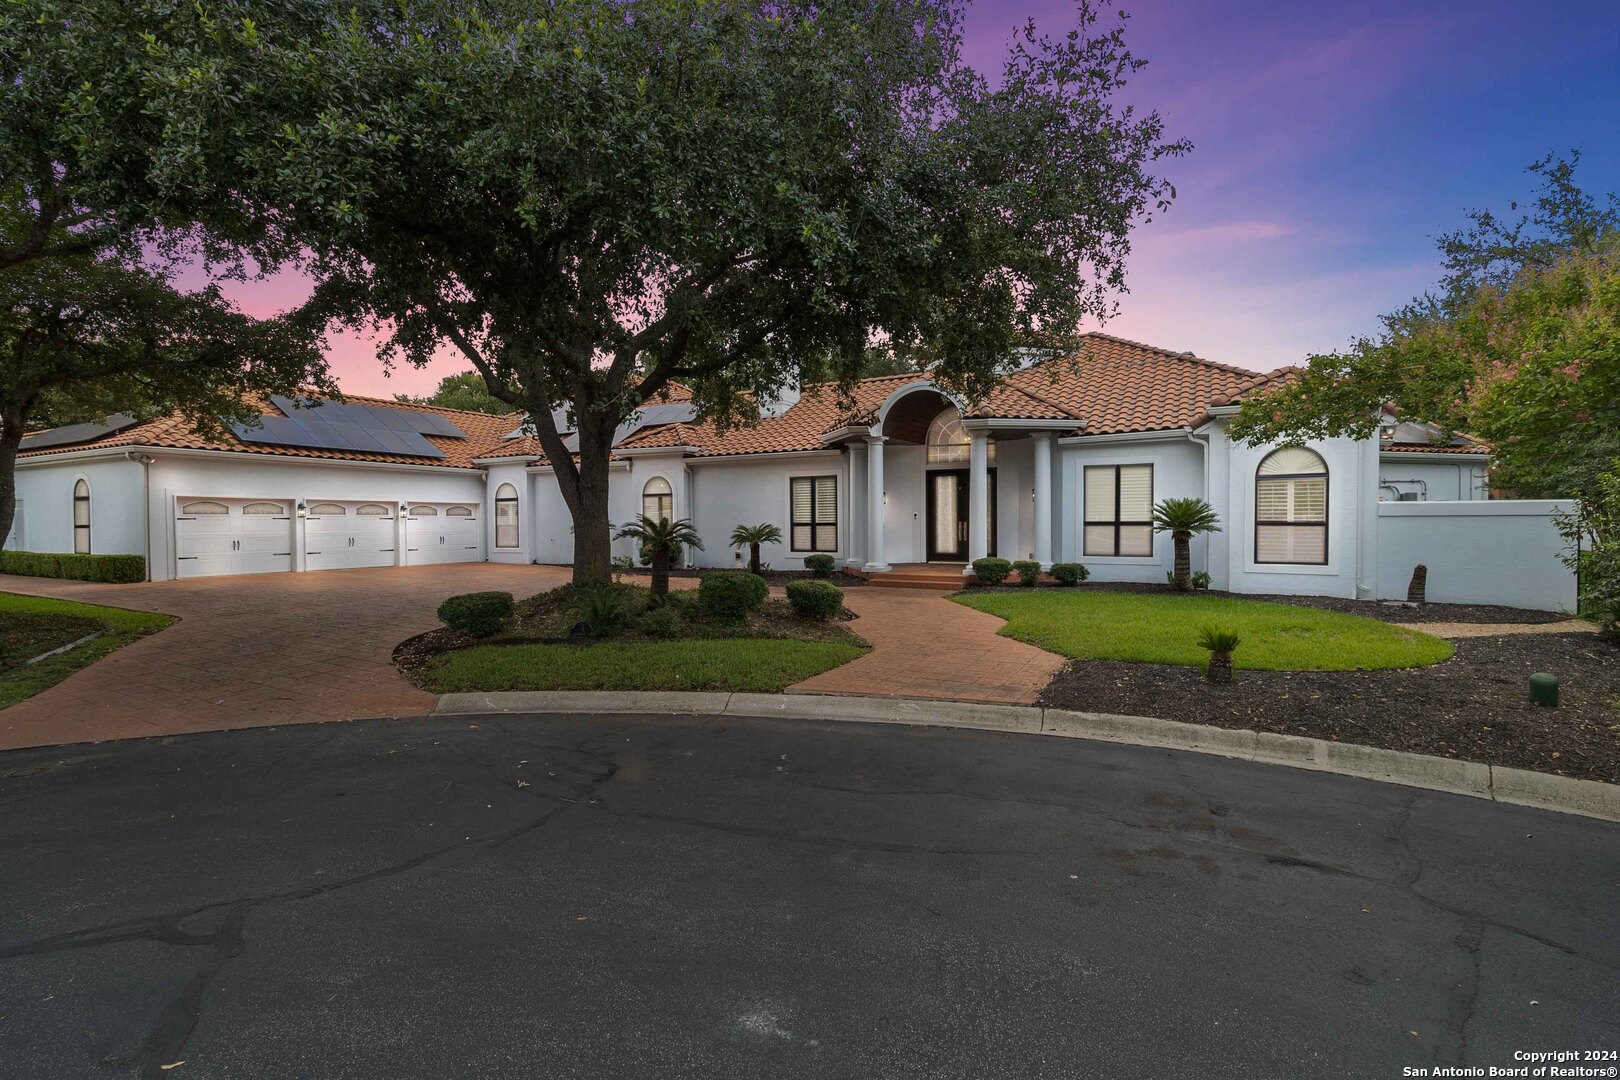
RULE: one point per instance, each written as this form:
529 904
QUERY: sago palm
1181 518
751 536
660 538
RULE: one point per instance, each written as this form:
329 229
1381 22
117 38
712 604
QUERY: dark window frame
814 524
1086 523
517 520
81 482
1327 510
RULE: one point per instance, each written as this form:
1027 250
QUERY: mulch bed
1474 706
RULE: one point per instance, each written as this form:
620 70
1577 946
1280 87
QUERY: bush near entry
819 565
1069 573
729 595
815 599
991 571
1029 571
477 614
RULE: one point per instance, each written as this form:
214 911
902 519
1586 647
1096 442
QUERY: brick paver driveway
253 651
305 648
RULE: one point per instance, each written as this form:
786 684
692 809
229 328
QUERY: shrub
1029 571
819 565
1200 579
991 571
664 622
622 565
477 614
729 595
1220 644
1069 573
603 610
109 569
815 599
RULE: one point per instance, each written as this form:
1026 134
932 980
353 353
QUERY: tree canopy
463 390
593 199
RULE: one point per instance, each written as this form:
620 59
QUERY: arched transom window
81 518
948 440
506 516
1291 508
658 499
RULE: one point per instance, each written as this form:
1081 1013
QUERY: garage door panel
348 535
445 533
232 536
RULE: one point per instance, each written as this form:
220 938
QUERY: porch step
950 582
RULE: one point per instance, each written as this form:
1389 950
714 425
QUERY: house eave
1159 435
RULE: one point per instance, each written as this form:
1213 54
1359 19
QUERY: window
327 510
658 499
204 509
815 513
264 509
372 510
81 518
948 440
506 516
424 511
1119 510
459 511
1290 508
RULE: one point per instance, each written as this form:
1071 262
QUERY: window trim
1327 508
517 532
813 479
81 484
1086 522
667 494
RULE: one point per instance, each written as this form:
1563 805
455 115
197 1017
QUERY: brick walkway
1470 630
925 646
305 648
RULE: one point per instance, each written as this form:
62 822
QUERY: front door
948 515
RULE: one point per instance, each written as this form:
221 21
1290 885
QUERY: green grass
50 620
1163 628
747 664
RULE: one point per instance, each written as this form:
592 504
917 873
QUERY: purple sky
1332 143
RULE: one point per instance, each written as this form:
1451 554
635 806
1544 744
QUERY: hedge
815 599
477 614
112 569
729 595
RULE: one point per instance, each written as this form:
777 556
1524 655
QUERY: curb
1497 783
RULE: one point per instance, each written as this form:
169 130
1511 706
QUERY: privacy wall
1503 551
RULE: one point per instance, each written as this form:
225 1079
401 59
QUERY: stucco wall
1503 551
1178 472
117 519
1431 481
729 493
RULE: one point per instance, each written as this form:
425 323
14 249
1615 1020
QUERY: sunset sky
1332 143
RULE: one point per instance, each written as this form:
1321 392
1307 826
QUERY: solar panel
431 424
332 425
68 434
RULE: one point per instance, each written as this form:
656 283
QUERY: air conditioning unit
1410 496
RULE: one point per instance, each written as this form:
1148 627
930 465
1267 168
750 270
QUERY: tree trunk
660 576
1220 668
1183 560
11 433
593 549
753 558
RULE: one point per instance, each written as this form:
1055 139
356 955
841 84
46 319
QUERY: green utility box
1544 689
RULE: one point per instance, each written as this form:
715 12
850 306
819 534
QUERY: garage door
443 533
344 535
233 536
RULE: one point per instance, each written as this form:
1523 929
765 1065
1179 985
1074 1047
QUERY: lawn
1163 628
31 625
760 665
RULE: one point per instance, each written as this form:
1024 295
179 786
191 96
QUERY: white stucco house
1061 464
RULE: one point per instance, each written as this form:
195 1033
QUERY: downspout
145 462
1203 444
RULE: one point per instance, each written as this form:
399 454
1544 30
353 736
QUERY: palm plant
1181 518
661 539
751 536
1221 644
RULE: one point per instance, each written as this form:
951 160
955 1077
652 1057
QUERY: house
1063 462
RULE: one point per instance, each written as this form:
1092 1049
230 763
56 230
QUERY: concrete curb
1543 791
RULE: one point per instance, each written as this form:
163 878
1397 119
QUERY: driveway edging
1520 787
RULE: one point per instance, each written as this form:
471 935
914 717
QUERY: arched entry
948 478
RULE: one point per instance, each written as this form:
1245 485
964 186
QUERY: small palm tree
1221 644
660 538
1181 518
751 536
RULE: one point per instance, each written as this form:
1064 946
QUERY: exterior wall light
302 509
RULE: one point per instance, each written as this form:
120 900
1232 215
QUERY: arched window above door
948 440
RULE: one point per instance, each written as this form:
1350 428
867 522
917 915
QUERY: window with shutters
506 516
815 513
81 518
658 500
1119 510
1290 508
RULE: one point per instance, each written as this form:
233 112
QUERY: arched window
424 511
1291 508
658 499
506 516
373 510
327 510
948 440
81 518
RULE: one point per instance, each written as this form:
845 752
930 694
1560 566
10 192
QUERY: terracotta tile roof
1473 449
485 434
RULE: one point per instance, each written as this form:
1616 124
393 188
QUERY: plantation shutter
814 507
1290 508
826 514
1119 510
1135 510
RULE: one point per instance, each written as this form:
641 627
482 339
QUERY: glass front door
948 515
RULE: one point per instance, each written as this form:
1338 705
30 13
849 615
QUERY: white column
1043 499
857 505
978 496
874 504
